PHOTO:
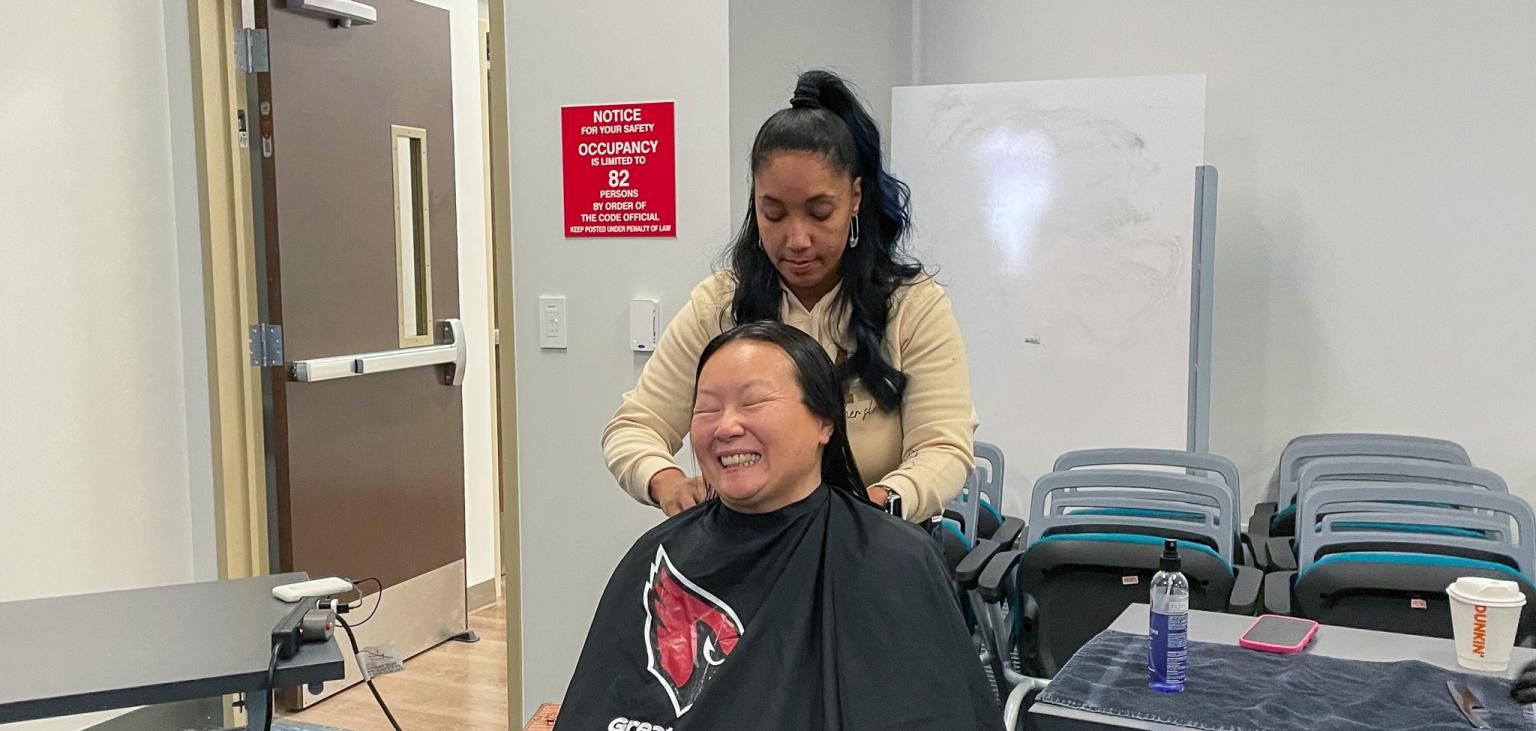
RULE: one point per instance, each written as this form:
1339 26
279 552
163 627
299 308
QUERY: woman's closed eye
756 398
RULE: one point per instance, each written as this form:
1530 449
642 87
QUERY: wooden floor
451 686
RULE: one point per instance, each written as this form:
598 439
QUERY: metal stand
1203 244
255 709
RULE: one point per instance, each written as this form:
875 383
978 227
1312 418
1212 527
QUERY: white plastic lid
1490 592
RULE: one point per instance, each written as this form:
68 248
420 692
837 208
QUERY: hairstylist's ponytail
892 209
825 117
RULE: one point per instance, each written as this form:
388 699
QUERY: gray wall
575 521
869 42
1375 238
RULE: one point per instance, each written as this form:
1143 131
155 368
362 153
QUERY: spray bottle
1168 653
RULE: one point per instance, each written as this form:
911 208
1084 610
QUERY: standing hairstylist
820 250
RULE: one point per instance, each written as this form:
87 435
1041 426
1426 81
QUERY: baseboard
480 595
417 614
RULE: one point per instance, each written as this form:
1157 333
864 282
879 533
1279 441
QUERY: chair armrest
1263 515
956 516
969 570
1277 592
1258 531
1009 533
1282 553
991 582
1245 590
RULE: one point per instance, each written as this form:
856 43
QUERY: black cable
378 598
271 688
355 652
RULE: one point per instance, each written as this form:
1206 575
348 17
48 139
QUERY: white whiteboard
1062 212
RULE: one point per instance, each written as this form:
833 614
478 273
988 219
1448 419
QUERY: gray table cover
1235 689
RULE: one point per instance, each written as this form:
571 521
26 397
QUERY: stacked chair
971 530
1080 567
1212 466
1375 527
1280 550
1380 555
977 511
1363 530
986 482
1275 518
1093 540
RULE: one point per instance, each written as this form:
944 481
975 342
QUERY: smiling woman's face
758 445
804 210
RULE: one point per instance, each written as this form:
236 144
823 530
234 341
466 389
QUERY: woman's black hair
826 118
820 389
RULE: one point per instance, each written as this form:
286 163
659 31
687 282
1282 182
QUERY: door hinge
266 345
251 50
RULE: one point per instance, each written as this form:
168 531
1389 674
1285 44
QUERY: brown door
355 150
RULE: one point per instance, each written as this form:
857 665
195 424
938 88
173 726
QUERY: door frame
501 245
230 289
493 337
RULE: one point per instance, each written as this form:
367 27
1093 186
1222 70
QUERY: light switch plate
552 322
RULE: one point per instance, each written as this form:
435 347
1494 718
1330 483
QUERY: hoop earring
853 234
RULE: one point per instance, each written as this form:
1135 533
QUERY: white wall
1375 237
100 448
480 502
575 521
868 42
93 446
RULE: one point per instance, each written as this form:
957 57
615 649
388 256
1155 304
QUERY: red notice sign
620 170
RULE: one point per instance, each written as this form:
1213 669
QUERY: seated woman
790 601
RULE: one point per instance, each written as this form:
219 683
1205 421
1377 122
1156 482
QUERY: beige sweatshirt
921 451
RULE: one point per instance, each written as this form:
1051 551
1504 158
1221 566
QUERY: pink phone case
1243 641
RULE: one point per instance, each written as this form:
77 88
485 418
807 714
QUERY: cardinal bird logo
688 632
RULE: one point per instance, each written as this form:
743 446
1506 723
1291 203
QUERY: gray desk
91 652
1341 642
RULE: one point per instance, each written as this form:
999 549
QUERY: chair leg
1013 710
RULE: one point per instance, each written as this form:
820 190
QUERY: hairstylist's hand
676 492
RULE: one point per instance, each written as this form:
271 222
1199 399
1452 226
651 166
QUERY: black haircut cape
827 614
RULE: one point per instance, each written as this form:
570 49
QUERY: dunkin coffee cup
1484 616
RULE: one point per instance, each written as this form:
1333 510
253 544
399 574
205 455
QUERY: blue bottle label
1168 658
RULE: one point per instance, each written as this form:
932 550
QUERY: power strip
329 586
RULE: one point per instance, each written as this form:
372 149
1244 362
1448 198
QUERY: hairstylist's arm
936 411
648 428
